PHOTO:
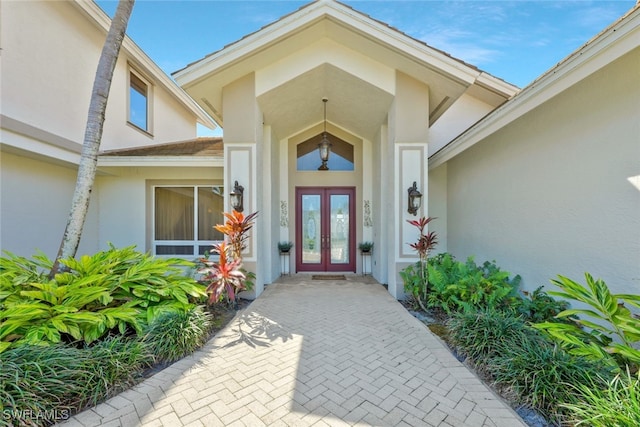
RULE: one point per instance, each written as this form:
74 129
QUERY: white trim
195 243
161 161
312 13
101 19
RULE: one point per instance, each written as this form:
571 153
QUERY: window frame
196 242
135 78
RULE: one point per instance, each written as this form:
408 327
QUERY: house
545 180
46 87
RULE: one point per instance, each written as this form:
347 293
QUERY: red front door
325 229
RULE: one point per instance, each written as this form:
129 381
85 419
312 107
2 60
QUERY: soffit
354 104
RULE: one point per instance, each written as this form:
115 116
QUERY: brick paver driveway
313 353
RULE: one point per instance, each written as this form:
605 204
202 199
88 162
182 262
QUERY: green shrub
457 286
605 331
38 379
116 289
539 373
175 335
483 335
616 404
538 307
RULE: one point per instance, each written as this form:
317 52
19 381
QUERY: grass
40 379
175 335
615 404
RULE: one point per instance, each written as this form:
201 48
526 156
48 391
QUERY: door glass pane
311 229
339 228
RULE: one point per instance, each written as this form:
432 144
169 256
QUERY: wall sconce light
325 146
236 197
415 199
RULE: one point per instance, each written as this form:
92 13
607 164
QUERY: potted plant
285 247
365 247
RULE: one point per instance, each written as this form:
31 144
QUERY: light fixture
414 200
325 146
236 197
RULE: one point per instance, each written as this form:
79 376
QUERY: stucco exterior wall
34 207
47 84
557 191
44 81
125 200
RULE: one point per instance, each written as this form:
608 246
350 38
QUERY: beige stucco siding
47 84
44 36
126 214
35 202
553 192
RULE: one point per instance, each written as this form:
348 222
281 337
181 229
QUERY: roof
328 49
613 42
198 147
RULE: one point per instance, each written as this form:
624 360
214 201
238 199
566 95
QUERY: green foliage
285 246
605 331
539 373
114 290
538 307
615 404
365 246
174 335
66 378
457 286
483 335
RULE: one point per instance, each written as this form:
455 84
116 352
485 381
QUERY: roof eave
616 40
100 18
161 161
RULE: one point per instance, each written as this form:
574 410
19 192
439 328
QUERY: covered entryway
391 100
325 229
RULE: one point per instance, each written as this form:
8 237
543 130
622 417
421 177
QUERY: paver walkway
313 353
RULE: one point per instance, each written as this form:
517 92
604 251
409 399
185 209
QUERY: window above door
341 157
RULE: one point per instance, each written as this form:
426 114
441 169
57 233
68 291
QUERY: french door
325 229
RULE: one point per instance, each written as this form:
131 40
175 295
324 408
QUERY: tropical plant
417 287
235 229
465 286
226 277
538 307
114 290
174 335
93 135
615 404
606 331
223 277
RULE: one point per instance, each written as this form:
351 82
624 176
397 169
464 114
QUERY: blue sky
514 40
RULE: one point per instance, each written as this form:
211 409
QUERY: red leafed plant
236 228
223 276
426 242
226 277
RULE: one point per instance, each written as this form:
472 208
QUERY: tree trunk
93 134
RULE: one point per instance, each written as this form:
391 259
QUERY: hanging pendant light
325 146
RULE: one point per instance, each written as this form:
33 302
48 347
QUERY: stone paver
313 353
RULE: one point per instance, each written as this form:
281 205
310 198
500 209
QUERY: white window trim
196 243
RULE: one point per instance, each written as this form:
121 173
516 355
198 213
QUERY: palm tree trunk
93 134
